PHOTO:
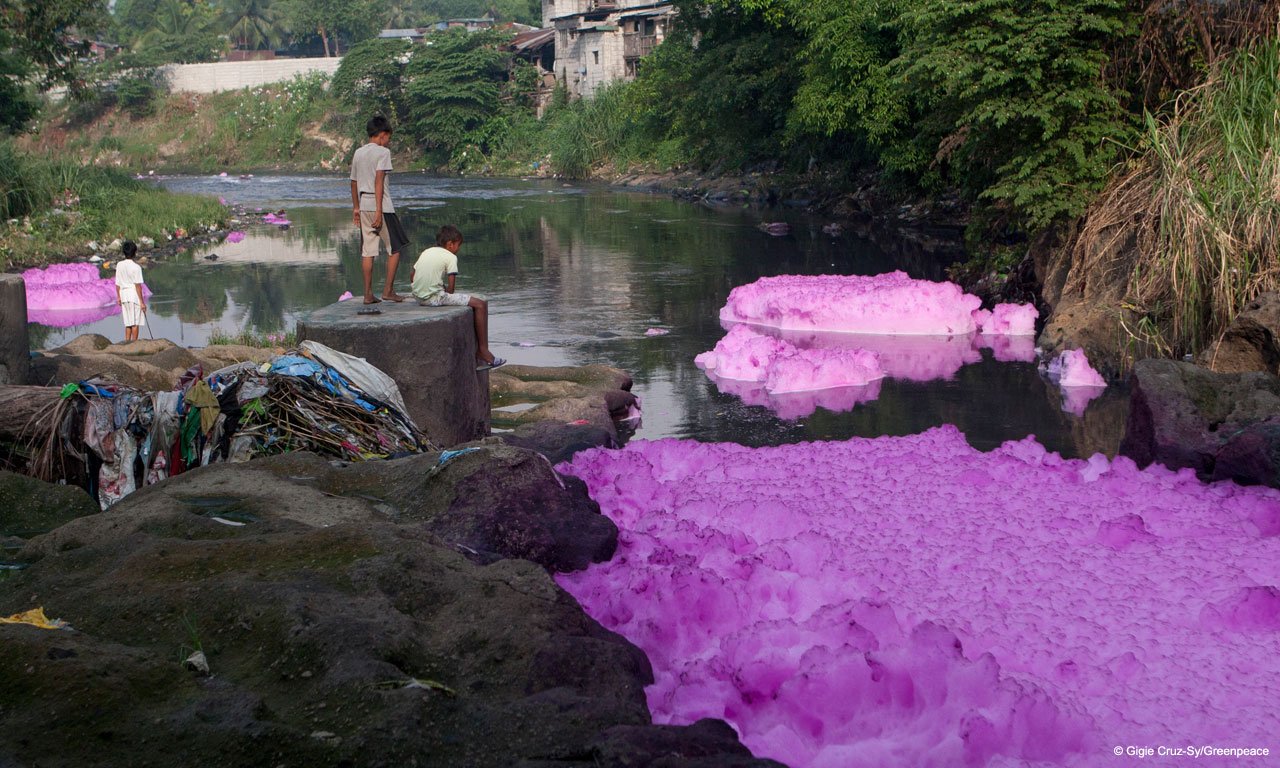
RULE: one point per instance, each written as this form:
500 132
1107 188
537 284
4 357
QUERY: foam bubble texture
913 601
891 303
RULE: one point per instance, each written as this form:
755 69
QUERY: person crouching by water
373 210
133 307
434 277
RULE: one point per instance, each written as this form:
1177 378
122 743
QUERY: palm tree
253 24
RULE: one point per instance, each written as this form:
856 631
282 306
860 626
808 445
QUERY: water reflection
582 273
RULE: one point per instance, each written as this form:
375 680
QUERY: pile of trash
113 439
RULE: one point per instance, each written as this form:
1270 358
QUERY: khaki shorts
132 313
446 300
391 235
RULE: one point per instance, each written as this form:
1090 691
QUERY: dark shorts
391 234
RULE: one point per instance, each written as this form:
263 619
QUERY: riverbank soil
337 629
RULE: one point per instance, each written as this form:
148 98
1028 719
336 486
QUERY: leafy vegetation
50 207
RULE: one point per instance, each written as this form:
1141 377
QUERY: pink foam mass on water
1008 320
745 354
235 237
892 303
915 602
1072 369
64 295
1079 382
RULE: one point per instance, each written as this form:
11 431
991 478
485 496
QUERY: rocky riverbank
292 611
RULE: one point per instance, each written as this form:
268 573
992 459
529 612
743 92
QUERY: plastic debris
346 296
197 663
35 618
657 332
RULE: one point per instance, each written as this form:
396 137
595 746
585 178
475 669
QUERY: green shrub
138 91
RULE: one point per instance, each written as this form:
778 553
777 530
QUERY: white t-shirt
128 278
433 268
365 164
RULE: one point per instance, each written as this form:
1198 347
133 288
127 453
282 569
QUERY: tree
454 89
253 24
331 19
182 31
41 43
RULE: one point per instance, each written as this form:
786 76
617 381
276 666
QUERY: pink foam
1072 369
235 237
66 289
913 601
892 303
1008 320
745 354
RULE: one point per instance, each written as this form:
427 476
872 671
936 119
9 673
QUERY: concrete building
602 41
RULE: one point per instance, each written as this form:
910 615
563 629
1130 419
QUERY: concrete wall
15 345
234 75
598 53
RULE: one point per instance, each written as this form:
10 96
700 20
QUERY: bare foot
397 298
372 300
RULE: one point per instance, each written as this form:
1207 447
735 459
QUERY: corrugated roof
536 39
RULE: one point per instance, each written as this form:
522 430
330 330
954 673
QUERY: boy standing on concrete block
434 277
133 306
372 209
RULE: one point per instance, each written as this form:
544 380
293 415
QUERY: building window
595 57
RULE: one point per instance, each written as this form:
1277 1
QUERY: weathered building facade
601 41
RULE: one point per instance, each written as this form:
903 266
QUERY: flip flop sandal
498 362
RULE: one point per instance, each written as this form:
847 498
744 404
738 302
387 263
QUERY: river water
577 275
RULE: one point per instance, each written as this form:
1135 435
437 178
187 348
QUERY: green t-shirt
433 268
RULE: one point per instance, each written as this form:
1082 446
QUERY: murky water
580 274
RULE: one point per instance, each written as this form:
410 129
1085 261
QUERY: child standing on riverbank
434 277
372 209
133 306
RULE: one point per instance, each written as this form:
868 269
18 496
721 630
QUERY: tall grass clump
1200 208
50 207
583 134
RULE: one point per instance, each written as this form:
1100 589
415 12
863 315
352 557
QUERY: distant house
414 35
471 25
601 41
538 47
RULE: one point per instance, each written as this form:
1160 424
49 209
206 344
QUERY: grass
255 339
1200 210
51 207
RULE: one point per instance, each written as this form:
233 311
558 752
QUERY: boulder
15 345
559 411
333 633
29 507
146 364
1251 342
1222 426
559 441
490 502
429 351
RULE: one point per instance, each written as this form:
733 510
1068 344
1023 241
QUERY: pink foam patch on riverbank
913 601
62 292
235 237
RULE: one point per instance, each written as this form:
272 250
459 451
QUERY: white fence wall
234 75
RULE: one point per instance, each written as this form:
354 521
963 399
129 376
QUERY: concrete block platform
429 351
15 346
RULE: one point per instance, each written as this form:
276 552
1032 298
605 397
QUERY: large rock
147 364
490 501
335 634
1222 426
1251 342
15 346
429 351
29 507
559 411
